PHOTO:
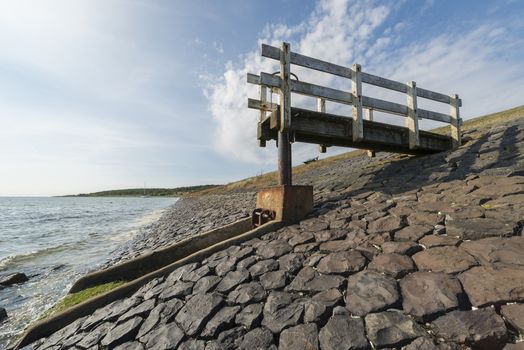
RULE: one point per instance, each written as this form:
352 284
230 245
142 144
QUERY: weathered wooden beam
263 106
262 113
321 107
284 146
455 121
412 118
356 95
369 116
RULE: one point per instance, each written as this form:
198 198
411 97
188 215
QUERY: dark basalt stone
179 290
405 248
425 294
369 291
281 311
497 251
231 280
262 267
258 338
479 228
413 233
514 315
425 343
392 328
291 263
304 336
308 280
447 259
3 314
230 339
222 319
247 293
193 344
131 345
165 336
343 332
140 310
388 223
274 249
250 316
480 329
206 284
344 263
13 278
394 265
273 280
197 311
195 275
122 332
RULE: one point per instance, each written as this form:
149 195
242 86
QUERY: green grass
76 298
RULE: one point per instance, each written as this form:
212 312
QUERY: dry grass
269 179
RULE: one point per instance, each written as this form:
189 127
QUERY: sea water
55 240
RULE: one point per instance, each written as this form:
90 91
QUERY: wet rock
480 329
304 336
447 259
308 280
487 285
432 241
343 332
273 280
3 314
193 344
262 267
247 293
392 328
343 263
274 249
197 311
405 248
281 311
179 290
479 228
497 251
258 338
250 316
413 233
231 280
122 332
428 293
206 284
222 319
394 265
388 223
165 336
13 278
514 315
369 291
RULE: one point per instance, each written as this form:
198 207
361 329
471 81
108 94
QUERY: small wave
15 260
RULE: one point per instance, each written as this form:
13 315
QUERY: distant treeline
153 192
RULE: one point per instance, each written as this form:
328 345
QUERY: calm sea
56 240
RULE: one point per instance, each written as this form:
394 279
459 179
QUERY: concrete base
290 203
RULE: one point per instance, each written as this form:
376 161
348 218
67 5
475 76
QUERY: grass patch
78 297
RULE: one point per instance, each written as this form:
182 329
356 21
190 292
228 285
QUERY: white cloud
475 63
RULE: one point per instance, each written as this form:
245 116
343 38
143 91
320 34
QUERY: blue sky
98 95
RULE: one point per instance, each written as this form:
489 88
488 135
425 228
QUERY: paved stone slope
400 253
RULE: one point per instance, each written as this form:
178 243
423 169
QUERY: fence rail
409 111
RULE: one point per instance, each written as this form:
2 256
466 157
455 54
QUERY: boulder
13 278
197 311
480 329
392 264
487 285
392 328
425 294
344 263
369 291
446 259
301 337
343 332
3 314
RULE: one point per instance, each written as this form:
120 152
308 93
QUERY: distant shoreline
145 192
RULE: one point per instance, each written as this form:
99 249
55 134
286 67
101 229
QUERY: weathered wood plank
284 145
253 79
321 107
439 117
356 111
412 117
263 106
262 113
369 116
455 122
383 82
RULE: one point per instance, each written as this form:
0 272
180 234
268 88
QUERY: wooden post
369 116
456 138
412 117
284 147
321 107
262 115
356 91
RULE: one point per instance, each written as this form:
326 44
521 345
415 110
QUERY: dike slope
400 253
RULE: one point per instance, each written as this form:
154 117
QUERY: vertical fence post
321 107
356 113
262 115
369 116
412 117
456 138
284 147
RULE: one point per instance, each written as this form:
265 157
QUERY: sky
106 94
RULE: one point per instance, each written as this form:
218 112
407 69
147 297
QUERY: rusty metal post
284 146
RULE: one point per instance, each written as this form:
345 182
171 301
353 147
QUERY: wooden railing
285 85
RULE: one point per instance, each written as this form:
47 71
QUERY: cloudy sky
104 94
